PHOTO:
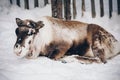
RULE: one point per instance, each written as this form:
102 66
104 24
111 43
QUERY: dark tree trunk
118 4
101 8
11 2
36 3
59 9
26 4
93 8
56 8
83 7
18 3
45 2
74 9
110 8
67 10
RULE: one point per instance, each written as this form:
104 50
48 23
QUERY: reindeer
55 38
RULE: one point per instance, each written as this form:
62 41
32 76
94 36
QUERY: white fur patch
43 38
53 32
22 51
31 30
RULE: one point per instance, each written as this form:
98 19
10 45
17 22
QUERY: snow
42 68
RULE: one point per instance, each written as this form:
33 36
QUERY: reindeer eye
19 40
29 42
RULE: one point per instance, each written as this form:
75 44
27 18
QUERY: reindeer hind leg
98 49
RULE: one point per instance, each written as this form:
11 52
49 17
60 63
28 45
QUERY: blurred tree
83 7
74 9
18 2
101 8
67 9
45 2
93 8
26 4
11 2
56 8
59 9
110 8
118 4
36 3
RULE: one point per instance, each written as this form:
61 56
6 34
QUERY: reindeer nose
17 45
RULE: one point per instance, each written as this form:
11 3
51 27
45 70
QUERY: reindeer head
25 32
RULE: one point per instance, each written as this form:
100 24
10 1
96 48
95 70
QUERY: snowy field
42 68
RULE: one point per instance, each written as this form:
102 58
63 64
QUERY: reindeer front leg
33 54
96 48
57 50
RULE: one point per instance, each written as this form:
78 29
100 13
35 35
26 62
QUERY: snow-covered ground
42 68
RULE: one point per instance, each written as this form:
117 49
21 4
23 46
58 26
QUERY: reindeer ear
33 24
40 24
19 22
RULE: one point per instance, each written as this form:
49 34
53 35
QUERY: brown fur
93 43
66 24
